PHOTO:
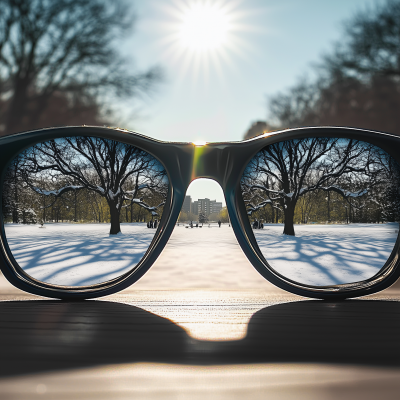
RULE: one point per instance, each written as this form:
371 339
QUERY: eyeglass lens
80 211
324 211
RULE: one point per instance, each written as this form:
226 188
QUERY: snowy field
328 254
78 254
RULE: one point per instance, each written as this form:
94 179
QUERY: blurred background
199 70
187 70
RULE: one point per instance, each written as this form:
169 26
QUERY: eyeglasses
87 210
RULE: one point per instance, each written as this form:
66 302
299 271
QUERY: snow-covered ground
83 254
77 254
328 254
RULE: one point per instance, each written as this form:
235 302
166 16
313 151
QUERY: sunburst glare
204 27
202 35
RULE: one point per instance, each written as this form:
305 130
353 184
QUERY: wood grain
223 344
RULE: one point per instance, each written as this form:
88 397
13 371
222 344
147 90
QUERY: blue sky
215 95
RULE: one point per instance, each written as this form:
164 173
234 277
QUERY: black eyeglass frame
223 162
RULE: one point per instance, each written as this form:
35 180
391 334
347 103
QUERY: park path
202 258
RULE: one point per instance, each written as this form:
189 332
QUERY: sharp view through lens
317 206
79 191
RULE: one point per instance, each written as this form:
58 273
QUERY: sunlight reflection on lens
200 143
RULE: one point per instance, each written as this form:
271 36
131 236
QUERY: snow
359 194
328 254
345 192
31 211
55 192
113 195
78 254
202 258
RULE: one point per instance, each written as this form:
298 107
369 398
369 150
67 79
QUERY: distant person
148 224
219 224
155 224
151 224
191 224
197 224
255 225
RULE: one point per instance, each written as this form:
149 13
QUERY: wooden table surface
223 344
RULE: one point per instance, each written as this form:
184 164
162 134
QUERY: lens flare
200 143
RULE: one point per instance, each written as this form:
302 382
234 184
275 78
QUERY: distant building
187 203
195 208
215 207
205 206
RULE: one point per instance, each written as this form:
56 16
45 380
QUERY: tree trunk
351 214
15 208
114 213
17 105
44 208
289 218
76 207
329 208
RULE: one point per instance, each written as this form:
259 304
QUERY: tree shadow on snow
321 255
76 260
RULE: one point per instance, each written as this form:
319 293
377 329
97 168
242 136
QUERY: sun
203 27
202 38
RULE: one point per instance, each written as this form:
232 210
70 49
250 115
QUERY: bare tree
16 199
281 173
371 44
356 84
296 107
98 165
257 128
64 49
